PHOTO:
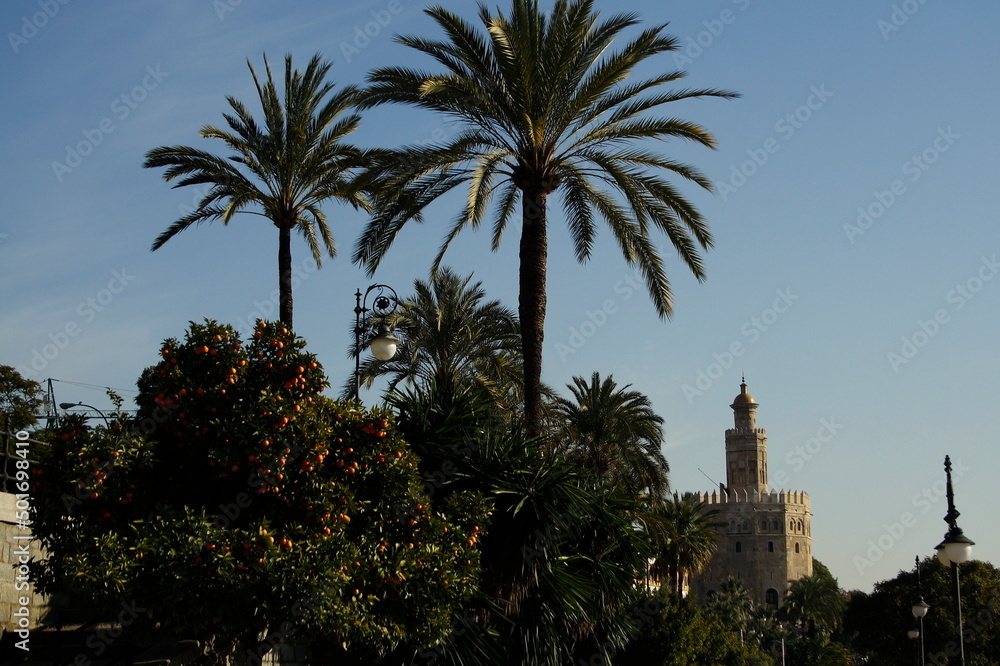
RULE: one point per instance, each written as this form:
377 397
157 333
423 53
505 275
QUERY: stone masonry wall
15 548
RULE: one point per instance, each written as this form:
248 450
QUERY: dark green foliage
560 562
672 631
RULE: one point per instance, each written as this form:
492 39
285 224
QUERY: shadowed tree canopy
284 169
543 105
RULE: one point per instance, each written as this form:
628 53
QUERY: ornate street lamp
381 340
954 549
919 610
71 405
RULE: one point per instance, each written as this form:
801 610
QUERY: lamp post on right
954 549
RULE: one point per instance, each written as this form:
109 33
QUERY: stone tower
746 447
765 536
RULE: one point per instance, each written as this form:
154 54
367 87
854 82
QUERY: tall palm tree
543 107
452 336
614 436
685 536
284 170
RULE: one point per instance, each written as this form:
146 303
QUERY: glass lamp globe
956 547
958 552
384 344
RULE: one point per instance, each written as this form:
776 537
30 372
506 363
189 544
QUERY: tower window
796 547
771 597
739 547
770 546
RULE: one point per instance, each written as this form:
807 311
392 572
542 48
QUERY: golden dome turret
744 398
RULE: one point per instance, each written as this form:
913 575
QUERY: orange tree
241 507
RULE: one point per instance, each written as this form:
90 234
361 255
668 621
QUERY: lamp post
71 405
954 549
383 343
919 609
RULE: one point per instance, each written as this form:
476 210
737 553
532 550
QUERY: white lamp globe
384 344
958 552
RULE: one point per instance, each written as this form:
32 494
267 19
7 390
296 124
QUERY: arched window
771 597
739 547
791 525
796 547
770 546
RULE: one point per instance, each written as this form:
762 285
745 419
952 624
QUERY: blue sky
852 278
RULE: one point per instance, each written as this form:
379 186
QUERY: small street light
381 340
919 609
954 549
71 405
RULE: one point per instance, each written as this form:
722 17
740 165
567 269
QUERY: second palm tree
284 170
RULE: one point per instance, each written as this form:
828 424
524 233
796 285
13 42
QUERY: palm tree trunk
285 275
531 304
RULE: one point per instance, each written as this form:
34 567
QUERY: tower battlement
735 496
746 431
